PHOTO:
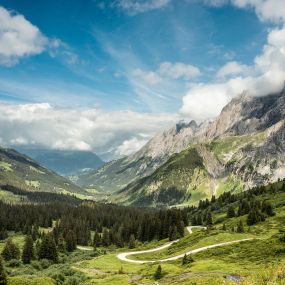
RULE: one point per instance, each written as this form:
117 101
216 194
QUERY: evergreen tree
28 251
158 273
267 209
61 244
48 248
231 212
173 234
132 242
180 228
3 276
187 259
96 240
240 227
10 251
70 241
209 219
199 220
3 234
105 237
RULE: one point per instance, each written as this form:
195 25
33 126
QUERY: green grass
9 197
5 166
225 147
18 239
193 241
30 280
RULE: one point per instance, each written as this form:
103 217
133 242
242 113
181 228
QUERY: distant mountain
115 175
64 162
242 148
20 171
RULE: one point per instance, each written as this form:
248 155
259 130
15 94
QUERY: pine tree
231 212
48 249
180 228
267 209
158 273
240 227
28 251
70 241
10 251
209 219
96 240
61 245
105 237
132 242
199 219
3 276
173 233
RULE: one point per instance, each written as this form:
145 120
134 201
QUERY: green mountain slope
229 163
21 171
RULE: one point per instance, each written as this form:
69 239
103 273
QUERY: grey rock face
255 163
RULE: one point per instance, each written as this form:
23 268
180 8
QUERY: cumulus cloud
45 126
233 68
130 146
267 10
134 7
266 75
204 101
177 70
18 38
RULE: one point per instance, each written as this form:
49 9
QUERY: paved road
124 255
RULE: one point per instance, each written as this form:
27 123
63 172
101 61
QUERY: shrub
14 263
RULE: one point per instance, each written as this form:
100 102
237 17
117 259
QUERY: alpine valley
242 148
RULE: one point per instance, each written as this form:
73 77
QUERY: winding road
124 255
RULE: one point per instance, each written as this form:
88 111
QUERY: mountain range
20 171
64 162
243 147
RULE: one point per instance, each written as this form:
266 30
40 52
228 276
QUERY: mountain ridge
236 149
19 170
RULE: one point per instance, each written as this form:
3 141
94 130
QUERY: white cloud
130 146
168 70
267 10
134 7
18 38
45 126
178 70
265 76
149 77
204 101
233 68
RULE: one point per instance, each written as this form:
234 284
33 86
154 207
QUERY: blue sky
105 44
158 60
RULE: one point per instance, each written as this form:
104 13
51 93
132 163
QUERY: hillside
115 175
243 147
21 171
64 162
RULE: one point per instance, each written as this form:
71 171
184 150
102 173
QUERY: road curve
124 255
